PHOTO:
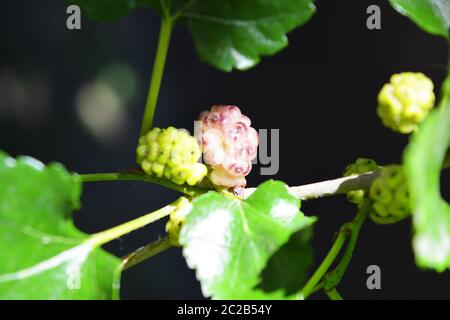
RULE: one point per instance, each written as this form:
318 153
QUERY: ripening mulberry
172 153
404 102
390 196
362 165
229 144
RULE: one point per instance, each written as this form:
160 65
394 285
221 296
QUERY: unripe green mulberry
362 165
390 196
176 221
172 153
405 101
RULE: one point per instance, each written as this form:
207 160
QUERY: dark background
320 92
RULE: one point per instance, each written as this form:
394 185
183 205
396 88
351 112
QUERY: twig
336 186
329 187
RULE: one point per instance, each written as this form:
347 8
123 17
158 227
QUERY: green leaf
43 255
234 33
228 33
229 241
431 15
431 214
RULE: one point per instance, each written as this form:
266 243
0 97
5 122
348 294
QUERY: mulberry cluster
229 144
390 196
405 101
172 153
362 165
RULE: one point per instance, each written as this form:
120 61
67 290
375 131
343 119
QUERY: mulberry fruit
404 102
390 196
172 153
362 165
229 144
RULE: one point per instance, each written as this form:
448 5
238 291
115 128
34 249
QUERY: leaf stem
308 289
157 73
317 288
106 236
333 294
333 278
350 228
183 8
146 252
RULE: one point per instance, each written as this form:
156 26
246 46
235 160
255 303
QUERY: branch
329 187
336 186
305 192
309 191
